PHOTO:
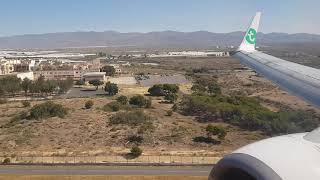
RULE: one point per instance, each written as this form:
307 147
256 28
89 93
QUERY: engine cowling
289 157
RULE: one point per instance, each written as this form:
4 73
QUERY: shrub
25 103
174 107
88 104
123 100
136 151
171 97
163 89
3 100
138 100
6 161
169 113
146 127
132 118
46 110
148 103
113 106
207 140
216 131
214 89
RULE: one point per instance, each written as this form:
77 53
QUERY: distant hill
198 39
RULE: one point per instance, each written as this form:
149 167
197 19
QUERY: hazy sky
42 16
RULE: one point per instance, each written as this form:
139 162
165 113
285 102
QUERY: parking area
150 80
130 80
84 92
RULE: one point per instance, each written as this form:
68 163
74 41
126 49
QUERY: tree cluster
247 113
209 104
12 85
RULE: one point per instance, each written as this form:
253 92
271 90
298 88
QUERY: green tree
156 90
96 83
123 100
163 89
25 85
80 82
111 88
109 70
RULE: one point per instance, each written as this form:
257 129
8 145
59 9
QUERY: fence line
144 159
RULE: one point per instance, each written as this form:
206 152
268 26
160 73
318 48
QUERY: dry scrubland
89 132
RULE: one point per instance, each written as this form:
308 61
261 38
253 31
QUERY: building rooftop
94 74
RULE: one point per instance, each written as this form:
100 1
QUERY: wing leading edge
297 79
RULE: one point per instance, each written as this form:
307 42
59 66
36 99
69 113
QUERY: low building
54 75
6 68
94 76
23 67
24 75
116 67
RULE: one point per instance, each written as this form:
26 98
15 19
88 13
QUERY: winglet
249 41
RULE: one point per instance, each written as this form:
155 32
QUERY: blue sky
43 16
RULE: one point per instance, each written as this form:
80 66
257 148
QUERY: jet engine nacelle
290 157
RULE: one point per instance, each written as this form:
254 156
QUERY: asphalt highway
106 170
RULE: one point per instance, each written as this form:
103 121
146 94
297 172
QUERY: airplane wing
289 157
297 79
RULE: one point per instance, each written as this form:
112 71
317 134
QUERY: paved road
105 170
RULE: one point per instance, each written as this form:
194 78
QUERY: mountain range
198 39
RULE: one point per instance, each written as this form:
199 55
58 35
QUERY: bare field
92 177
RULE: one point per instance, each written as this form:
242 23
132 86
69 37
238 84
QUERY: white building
94 76
28 75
